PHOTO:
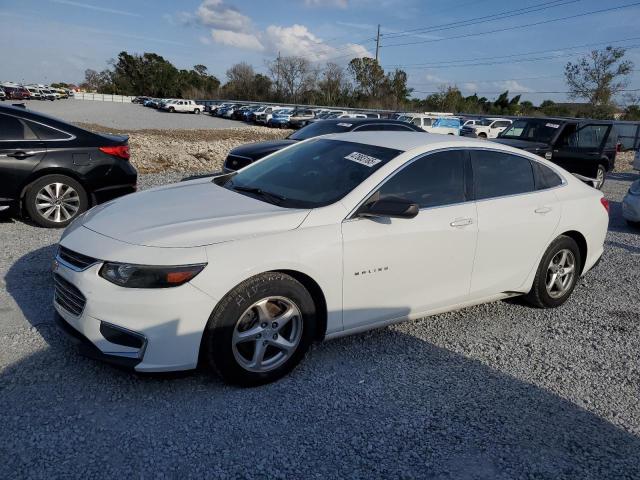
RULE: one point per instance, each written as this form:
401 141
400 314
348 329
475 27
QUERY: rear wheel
197 111
601 175
261 330
53 201
557 274
171 109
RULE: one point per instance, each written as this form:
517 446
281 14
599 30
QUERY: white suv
486 128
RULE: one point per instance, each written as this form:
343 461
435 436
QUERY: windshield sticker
363 159
348 125
552 125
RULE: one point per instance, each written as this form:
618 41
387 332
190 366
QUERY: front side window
313 174
496 174
417 121
435 180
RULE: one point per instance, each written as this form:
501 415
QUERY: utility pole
377 42
278 76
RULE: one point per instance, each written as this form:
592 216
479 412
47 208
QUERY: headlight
144 276
635 188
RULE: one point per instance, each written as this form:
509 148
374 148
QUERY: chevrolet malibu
328 237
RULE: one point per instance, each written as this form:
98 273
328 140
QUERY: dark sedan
53 171
243 155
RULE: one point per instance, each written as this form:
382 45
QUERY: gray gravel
495 391
127 116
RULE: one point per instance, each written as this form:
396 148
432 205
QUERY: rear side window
497 174
432 181
545 177
46 133
13 128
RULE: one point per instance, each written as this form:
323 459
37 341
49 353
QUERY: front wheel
53 201
172 110
557 274
261 330
197 111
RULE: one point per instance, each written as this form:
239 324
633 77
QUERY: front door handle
461 222
543 210
20 155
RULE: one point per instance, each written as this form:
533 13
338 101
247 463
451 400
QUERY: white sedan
332 236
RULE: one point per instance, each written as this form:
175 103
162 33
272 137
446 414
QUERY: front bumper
631 207
171 320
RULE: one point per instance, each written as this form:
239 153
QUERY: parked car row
14 91
171 105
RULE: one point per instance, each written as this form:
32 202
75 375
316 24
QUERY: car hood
522 144
261 149
189 214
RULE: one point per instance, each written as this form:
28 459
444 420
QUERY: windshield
320 128
313 174
533 130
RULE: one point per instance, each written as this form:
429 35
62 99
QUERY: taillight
605 203
121 151
618 147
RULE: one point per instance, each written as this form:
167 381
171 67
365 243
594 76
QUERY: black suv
54 171
243 155
581 146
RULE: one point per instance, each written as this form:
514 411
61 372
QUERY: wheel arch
582 245
318 298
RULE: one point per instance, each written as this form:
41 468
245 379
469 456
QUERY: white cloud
215 14
511 85
230 27
247 41
327 3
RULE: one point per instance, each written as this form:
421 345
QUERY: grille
68 296
75 259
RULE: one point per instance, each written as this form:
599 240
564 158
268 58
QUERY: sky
483 46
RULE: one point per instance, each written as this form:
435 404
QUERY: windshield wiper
271 197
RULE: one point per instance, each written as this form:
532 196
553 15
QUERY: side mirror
391 208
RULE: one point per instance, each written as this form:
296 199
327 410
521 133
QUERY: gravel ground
127 116
495 391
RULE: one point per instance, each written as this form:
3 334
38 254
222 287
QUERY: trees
368 77
333 85
295 77
598 78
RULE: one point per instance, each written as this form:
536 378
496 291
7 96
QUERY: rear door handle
543 210
461 222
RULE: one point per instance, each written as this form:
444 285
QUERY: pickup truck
183 106
486 128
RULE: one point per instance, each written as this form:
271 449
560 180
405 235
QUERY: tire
172 110
68 200
541 295
601 176
482 135
633 224
197 111
237 314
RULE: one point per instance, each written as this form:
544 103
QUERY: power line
561 49
486 18
516 27
528 92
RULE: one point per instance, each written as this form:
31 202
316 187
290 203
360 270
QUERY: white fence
102 97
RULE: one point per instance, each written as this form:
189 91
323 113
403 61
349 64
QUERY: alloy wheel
57 202
561 273
267 334
600 178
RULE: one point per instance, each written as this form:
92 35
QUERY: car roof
406 140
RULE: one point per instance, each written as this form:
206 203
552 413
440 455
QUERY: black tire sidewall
539 293
34 188
217 343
